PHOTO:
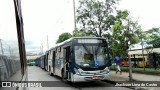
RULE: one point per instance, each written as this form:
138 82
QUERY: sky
7 27
46 17
50 18
145 11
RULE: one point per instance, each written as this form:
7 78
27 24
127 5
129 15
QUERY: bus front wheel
63 75
50 72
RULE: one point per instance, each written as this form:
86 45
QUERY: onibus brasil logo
22 84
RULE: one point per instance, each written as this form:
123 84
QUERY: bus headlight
76 71
106 70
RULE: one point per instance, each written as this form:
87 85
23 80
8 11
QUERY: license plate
95 77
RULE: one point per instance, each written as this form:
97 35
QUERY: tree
124 30
63 37
152 40
81 33
94 16
153 37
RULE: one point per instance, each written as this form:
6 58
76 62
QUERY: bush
139 70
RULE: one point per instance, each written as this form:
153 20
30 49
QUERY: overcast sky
53 17
146 11
47 17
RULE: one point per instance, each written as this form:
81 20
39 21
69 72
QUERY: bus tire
54 72
50 72
62 74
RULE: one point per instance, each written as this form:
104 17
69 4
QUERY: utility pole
40 50
128 47
143 53
129 59
74 16
1 46
130 66
47 43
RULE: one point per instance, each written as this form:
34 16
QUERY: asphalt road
38 74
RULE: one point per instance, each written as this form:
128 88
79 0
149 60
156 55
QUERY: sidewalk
136 77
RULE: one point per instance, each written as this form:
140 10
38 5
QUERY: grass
139 70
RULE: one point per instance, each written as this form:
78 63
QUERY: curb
154 74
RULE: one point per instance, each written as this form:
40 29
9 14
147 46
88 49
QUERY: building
139 51
32 56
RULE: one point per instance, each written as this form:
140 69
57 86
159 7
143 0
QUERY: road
38 74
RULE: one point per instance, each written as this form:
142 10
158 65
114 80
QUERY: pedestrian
117 62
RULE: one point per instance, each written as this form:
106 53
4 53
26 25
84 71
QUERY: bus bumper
85 78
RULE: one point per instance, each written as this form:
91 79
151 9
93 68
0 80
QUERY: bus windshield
90 56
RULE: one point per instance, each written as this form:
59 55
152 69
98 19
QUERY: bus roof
70 39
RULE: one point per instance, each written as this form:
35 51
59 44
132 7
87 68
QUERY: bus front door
67 60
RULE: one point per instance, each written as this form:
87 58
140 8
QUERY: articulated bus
38 62
79 59
42 62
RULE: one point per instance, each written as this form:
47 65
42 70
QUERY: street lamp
74 12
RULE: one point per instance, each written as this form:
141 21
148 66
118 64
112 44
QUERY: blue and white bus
79 59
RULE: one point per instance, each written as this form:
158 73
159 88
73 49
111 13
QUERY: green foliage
81 33
122 14
124 30
139 70
94 16
153 37
63 37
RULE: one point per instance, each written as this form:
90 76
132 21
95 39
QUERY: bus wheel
62 74
50 73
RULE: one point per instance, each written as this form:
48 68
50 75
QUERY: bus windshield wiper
96 51
86 49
